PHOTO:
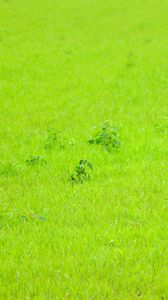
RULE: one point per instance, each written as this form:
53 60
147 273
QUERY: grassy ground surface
66 67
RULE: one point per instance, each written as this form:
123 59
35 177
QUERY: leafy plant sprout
36 160
52 139
108 136
82 171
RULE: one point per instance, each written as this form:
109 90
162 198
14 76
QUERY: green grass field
65 68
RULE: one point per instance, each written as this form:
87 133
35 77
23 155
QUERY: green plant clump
53 139
108 136
82 171
36 160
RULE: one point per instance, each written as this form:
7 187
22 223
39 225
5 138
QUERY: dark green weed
36 160
53 139
108 136
82 171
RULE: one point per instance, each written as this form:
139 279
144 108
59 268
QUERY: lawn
94 229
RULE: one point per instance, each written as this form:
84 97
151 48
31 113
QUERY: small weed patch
82 171
53 139
108 136
32 217
36 160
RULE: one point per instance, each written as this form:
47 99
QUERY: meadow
83 149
